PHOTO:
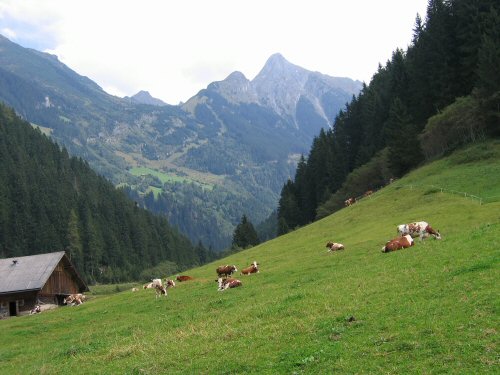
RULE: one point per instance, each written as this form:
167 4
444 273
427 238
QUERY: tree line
50 201
441 93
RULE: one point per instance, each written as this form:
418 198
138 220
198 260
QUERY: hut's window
3 305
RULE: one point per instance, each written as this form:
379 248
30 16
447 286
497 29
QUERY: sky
173 49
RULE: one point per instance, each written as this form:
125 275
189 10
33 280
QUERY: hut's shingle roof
28 272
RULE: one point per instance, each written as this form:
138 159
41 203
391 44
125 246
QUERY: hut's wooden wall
24 301
60 282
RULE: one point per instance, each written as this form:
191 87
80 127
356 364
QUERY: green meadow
165 177
429 309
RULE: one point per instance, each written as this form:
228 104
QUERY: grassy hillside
429 309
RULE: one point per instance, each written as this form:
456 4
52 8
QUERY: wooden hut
36 279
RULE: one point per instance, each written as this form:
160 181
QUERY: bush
370 176
460 123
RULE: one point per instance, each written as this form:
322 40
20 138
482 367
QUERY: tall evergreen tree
245 234
404 148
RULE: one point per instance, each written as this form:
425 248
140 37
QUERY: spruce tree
245 234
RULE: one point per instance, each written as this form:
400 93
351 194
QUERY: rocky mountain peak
235 88
144 97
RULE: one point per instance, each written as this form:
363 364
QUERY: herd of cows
406 233
224 279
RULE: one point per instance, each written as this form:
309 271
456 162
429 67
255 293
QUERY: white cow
418 229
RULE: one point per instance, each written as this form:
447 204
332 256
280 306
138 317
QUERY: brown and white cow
226 270
74 299
228 283
368 193
148 286
182 278
334 246
159 288
398 243
36 310
350 201
253 268
169 283
420 229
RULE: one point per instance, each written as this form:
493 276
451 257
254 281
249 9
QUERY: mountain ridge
225 136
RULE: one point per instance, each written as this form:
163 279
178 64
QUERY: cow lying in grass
35 310
169 283
227 283
334 246
182 278
398 243
74 299
420 229
253 268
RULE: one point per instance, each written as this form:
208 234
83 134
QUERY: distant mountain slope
232 146
52 202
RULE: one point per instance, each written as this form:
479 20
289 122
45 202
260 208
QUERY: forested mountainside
50 201
224 153
441 93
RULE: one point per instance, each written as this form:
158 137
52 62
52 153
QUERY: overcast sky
173 49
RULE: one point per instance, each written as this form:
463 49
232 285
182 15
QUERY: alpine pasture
432 308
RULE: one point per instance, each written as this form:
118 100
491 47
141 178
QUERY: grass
430 309
166 178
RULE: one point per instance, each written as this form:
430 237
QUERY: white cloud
9 33
175 48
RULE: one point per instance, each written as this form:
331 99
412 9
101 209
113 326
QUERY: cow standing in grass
350 201
226 270
420 229
159 288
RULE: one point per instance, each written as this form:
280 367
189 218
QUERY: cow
74 299
418 229
35 310
182 278
169 283
148 286
350 201
368 193
227 283
134 289
226 270
253 268
398 243
159 288
334 246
